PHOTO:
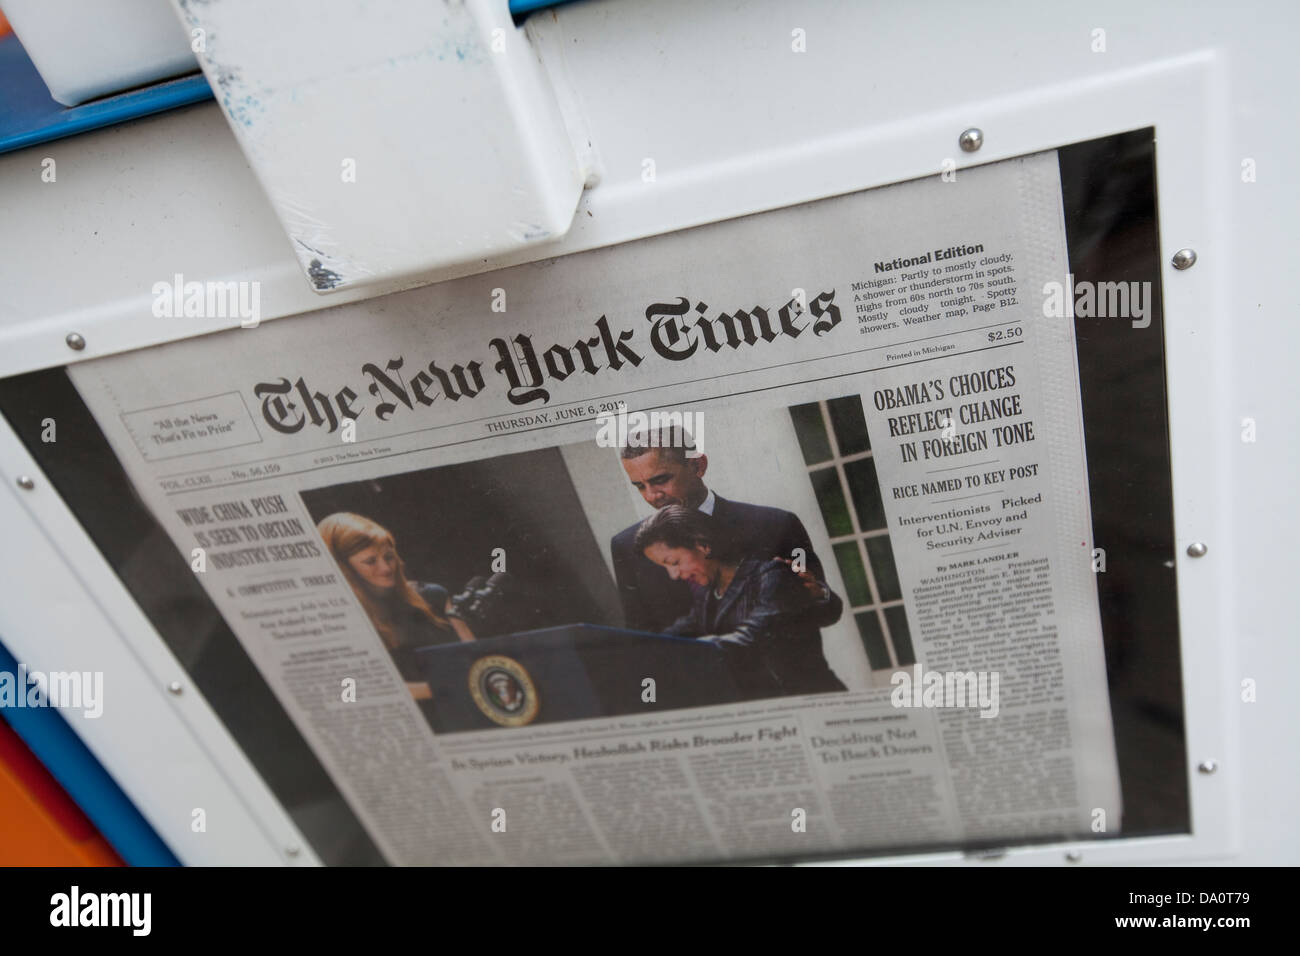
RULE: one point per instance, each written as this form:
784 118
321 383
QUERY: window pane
849 559
872 639
850 424
812 433
830 496
882 567
896 618
866 493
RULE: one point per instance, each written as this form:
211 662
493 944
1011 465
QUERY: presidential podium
568 673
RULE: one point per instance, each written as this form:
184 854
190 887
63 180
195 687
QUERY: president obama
660 469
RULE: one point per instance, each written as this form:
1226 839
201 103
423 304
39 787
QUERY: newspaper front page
420 514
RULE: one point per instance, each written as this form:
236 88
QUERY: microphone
484 602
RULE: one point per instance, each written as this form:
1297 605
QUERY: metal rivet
1197 549
75 342
971 139
1074 856
26 483
175 687
1208 766
1184 258
291 850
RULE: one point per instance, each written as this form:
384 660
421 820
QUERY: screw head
1074 856
971 139
1197 549
75 341
1184 259
175 688
25 482
1208 766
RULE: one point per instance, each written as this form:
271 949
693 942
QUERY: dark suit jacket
413 631
765 624
652 601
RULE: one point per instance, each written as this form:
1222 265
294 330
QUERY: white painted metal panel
736 122
391 137
89 48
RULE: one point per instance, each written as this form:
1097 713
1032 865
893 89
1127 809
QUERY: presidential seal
503 690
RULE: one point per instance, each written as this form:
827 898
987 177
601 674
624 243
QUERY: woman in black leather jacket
754 607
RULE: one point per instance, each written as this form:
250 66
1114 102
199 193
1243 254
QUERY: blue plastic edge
48 735
119 109
527 6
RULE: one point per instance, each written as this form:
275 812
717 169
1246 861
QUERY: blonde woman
407 614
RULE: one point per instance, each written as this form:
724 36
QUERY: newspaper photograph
770 537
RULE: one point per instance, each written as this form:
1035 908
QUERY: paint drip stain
321 277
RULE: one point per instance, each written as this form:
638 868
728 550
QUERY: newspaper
503 672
